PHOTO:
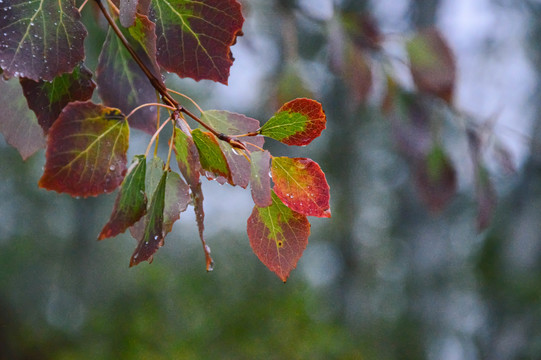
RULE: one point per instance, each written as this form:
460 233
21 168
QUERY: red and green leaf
17 123
298 122
278 236
260 178
131 202
432 64
211 157
86 150
121 83
194 37
48 98
187 157
41 39
234 124
301 185
153 235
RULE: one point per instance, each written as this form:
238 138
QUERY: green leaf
194 37
18 124
278 236
86 150
211 157
48 98
121 83
41 39
153 235
298 122
235 124
301 185
131 202
154 172
260 178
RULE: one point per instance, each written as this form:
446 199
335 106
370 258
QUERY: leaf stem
156 135
156 83
82 6
186 97
149 104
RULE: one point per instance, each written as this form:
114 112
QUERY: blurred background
384 278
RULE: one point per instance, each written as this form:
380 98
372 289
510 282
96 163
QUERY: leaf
278 236
197 197
432 64
86 150
121 83
18 124
187 157
47 99
153 235
301 185
486 196
154 172
177 198
128 9
131 202
194 37
211 157
298 122
260 179
435 178
41 39
234 124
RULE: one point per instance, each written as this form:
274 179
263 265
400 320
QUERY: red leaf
86 150
298 122
194 37
41 39
48 98
301 185
17 123
432 64
278 236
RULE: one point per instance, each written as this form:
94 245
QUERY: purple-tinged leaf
486 197
18 124
260 178
86 150
153 236
194 37
177 198
41 39
432 64
235 124
435 178
121 83
128 9
48 98
131 202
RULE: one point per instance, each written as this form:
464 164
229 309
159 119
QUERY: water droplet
112 168
207 249
155 237
210 266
